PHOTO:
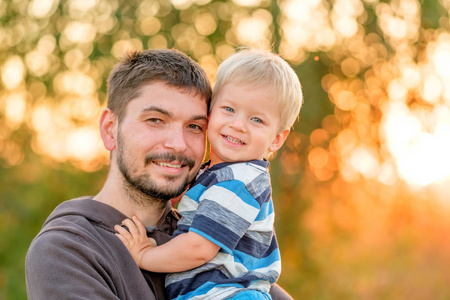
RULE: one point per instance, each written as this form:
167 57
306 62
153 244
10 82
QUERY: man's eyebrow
200 118
156 109
169 114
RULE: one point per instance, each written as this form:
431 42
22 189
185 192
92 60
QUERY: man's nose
176 140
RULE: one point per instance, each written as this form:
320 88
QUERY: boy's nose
238 123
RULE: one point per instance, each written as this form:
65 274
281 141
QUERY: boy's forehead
233 86
249 84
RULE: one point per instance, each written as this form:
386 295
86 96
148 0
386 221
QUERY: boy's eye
229 109
257 120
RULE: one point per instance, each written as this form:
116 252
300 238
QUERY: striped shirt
231 205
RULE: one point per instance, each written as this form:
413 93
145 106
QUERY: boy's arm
184 252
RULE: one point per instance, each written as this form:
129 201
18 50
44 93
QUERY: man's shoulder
79 227
70 218
83 211
77 245
75 224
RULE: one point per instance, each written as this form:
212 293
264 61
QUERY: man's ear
108 128
279 140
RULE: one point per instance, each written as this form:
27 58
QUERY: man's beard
145 184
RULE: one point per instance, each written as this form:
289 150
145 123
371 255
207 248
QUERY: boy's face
244 124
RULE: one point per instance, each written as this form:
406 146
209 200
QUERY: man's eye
229 109
195 127
257 120
154 120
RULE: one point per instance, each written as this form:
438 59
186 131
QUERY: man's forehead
168 100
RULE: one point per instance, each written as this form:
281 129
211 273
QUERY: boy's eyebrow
169 114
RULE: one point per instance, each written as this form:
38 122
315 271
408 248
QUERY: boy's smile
232 140
244 124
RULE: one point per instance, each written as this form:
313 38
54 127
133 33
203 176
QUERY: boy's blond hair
262 68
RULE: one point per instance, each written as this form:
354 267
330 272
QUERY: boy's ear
279 140
108 122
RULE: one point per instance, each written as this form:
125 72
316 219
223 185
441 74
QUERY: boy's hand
135 239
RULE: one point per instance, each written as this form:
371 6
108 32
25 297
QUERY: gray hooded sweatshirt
76 255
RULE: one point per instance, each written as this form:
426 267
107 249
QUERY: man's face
161 140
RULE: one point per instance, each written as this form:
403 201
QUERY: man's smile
170 160
170 165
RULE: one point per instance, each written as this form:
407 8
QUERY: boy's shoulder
261 164
245 172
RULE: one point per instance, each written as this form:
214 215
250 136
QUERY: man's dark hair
169 66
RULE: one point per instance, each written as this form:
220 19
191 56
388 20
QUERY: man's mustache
184 160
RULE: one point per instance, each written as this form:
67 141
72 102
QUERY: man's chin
164 196
172 187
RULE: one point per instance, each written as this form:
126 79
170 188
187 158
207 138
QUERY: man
154 126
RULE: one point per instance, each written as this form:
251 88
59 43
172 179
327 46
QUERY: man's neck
131 202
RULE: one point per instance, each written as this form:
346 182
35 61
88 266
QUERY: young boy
225 246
